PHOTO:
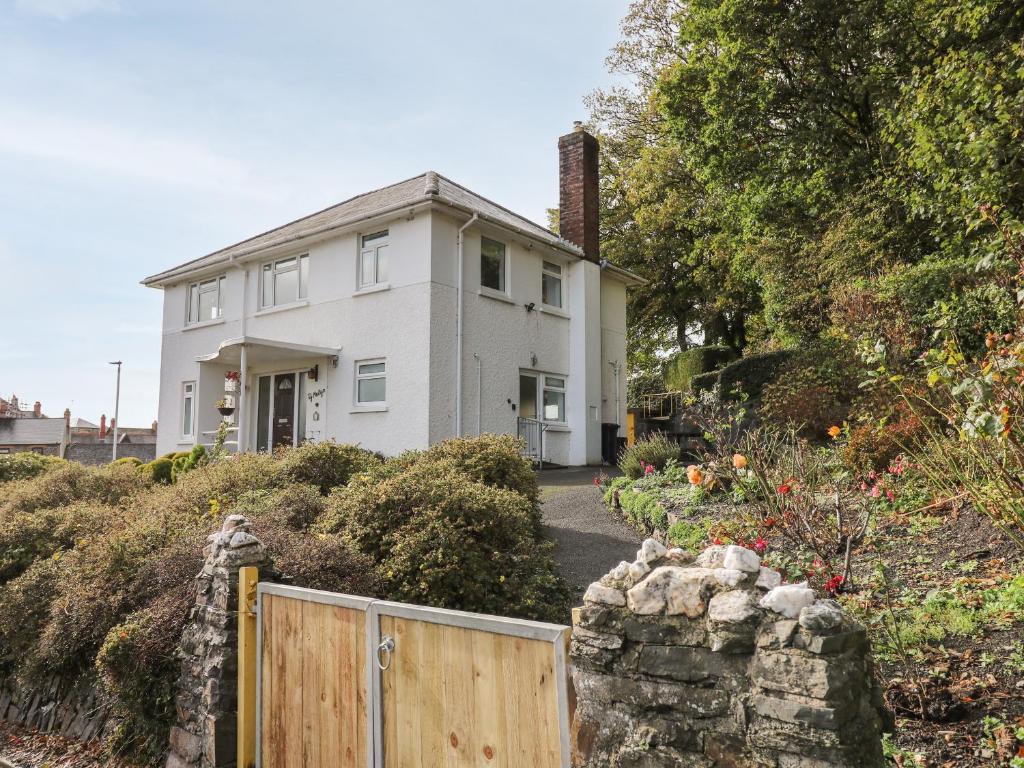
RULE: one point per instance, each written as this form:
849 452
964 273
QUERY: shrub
188 462
750 374
326 465
131 461
25 465
813 389
680 369
643 510
655 449
690 534
159 470
440 537
69 482
495 460
874 447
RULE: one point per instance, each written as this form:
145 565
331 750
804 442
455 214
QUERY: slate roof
429 186
31 431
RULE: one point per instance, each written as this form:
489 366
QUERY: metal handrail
531 431
660 405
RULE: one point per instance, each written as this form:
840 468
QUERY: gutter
461 240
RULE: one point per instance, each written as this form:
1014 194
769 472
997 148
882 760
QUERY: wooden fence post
248 577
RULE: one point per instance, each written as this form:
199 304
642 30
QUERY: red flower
597 479
649 469
716 540
769 522
832 585
760 545
890 495
784 488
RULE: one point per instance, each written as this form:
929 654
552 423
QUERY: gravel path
589 539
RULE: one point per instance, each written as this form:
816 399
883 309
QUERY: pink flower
760 545
890 495
649 469
876 492
863 486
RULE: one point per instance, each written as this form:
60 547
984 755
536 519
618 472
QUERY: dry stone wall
712 661
205 734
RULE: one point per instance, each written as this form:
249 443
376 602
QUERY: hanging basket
226 410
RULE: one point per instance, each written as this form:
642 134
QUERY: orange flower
739 461
834 431
694 475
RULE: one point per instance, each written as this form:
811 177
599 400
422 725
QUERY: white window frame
271 269
503 290
545 387
188 401
213 284
373 244
557 271
366 404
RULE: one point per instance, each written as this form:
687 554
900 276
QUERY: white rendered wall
585 364
613 350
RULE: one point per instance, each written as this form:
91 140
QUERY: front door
284 409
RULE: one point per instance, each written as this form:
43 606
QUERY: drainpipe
240 435
458 329
479 393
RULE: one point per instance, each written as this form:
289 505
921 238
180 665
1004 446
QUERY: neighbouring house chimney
578 190
67 418
14 403
37 409
103 425
154 427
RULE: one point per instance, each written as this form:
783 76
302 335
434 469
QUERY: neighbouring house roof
427 187
79 423
31 431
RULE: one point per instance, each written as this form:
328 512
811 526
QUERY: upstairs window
205 300
551 285
373 259
284 281
492 264
371 382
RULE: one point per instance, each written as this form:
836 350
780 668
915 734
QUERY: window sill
373 289
369 409
204 324
490 293
282 308
554 311
559 427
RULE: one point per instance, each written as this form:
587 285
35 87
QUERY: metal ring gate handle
387 645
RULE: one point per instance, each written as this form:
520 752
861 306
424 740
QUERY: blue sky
137 135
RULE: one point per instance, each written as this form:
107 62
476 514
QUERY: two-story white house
402 317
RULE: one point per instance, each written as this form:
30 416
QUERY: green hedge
680 370
25 464
747 375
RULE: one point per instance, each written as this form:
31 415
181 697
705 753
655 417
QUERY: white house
402 317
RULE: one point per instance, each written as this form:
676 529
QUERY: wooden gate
348 681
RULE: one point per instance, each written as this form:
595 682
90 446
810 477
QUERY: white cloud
67 9
124 151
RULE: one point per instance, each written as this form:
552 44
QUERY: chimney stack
578 190
37 409
103 425
153 428
67 419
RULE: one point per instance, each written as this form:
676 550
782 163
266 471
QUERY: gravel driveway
589 539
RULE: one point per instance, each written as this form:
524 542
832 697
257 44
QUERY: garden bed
958 586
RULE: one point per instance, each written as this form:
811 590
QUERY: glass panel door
283 424
527 396
263 414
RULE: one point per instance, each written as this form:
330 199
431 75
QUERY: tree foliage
771 164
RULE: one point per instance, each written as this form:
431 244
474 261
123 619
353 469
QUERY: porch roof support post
243 378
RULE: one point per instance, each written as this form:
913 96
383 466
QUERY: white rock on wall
598 593
732 607
712 557
638 570
788 599
672 590
768 578
728 577
651 550
741 559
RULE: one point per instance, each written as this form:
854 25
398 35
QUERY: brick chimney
153 428
578 190
37 409
103 425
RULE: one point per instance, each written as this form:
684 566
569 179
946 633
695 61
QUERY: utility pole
117 405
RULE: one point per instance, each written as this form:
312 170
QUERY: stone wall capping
712 661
